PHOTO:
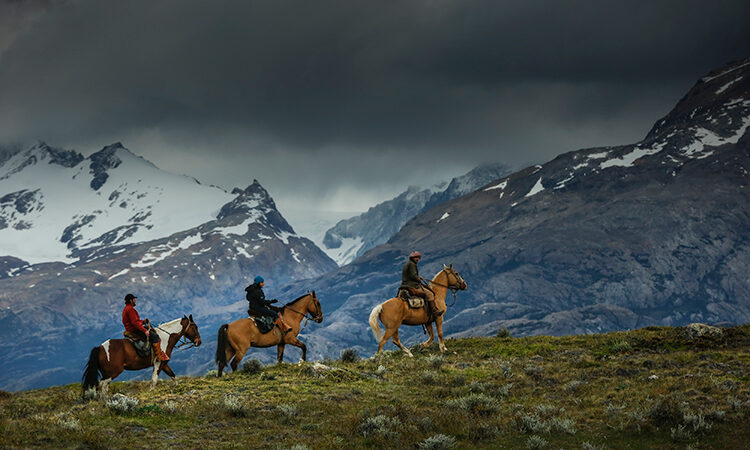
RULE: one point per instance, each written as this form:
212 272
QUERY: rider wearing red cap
134 328
412 282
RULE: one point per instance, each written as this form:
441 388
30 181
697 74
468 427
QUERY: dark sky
341 104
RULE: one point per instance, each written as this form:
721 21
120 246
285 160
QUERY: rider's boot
282 325
160 355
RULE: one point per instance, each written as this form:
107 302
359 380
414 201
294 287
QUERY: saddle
142 348
414 301
264 323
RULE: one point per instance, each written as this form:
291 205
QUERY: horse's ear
444 266
184 316
191 317
451 266
314 294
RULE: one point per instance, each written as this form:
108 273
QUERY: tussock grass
649 388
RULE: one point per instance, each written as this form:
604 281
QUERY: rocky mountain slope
651 233
352 237
91 230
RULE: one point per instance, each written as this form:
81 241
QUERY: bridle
454 289
182 339
318 315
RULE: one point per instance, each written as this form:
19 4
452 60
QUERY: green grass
647 388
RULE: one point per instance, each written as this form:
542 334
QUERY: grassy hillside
649 388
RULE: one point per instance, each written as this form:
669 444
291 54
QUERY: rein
182 341
305 315
454 291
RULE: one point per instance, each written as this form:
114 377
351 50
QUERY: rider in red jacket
134 328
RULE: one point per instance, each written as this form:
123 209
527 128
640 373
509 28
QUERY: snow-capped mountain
600 239
352 237
57 204
86 231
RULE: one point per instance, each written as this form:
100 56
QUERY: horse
395 311
115 355
237 337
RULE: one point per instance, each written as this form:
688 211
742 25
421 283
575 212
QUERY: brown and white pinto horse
237 337
115 355
395 311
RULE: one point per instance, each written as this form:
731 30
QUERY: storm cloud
346 103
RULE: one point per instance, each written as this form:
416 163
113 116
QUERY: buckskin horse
395 311
114 356
237 337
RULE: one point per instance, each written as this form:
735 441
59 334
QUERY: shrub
535 442
68 422
213 373
427 378
458 381
503 333
562 425
620 346
503 390
380 426
425 424
349 355
531 423
299 447
438 442
574 385
476 386
252 366
288 412
122 404
381 371
681 434
533 371
546 410
507 371
665 411
435 361
170 407
589 446
696 422
234 406
476 404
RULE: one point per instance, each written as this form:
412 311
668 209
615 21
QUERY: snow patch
630 158
536 189
498 186
443 217
726 86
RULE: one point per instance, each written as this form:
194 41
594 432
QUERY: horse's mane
166 326
295 301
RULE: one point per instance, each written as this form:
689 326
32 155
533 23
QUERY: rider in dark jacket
412 282
258 304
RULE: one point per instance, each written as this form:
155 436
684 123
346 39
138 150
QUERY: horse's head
454 279
314 308
190 330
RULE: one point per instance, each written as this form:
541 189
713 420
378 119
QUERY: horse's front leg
168 370
439 326
297 343
155 374
431 333
280 352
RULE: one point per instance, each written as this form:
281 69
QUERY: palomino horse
395 311
235 338
116 355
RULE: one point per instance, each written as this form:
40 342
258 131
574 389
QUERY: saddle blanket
264 324
141 347
414 302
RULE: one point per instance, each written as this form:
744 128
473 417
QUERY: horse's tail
374 314
91 372
221 346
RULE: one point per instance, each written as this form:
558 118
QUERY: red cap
415 254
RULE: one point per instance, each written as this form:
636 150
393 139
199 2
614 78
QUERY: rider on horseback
135 330
260 305
415 285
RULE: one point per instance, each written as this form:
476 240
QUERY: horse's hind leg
387 335
280 353
397 341
155 374
236 360
104 386
439 326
